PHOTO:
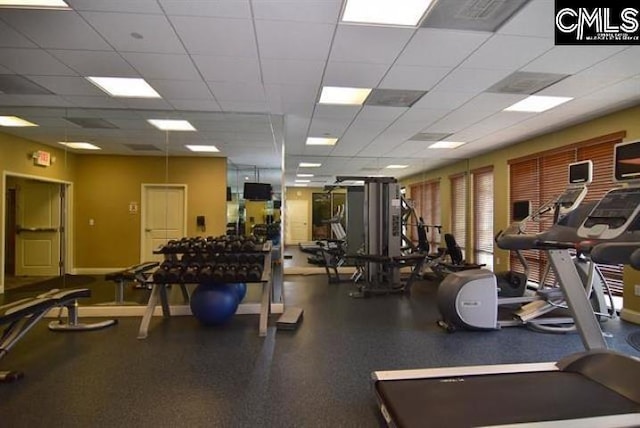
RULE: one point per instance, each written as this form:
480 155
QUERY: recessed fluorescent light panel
80 145
446 145
171 125
385 12
14 121
303 181
34 4
316 141
304 175
309 165
124 87
396 166
203 148
537 103
344 96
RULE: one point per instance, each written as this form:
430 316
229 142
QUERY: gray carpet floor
185 375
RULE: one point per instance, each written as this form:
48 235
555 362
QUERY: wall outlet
498 260
637 290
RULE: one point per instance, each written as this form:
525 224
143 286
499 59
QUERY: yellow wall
626 120
106 185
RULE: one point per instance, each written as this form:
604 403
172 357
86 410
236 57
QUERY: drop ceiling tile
413 77
292 71
623 64
438 99
579 85
217 9
571 59
288 94
228 91
324 11
535 19
368 44
244 106
55 29
10 38
382 113
354 74
162 66
66 85
293 40
96 63
216 36
182 89
146 103
426 116
441 48
34 100
471 79
508 52
227 68
137 6
157 36
33 62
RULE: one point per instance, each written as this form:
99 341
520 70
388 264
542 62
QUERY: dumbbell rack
159 291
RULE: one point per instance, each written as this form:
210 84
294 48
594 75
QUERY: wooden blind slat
458 209
483 211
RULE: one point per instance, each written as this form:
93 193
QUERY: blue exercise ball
214 304
241 290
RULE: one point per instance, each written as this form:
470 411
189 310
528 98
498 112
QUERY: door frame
143 210
66 236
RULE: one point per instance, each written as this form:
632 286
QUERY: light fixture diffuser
303 181
321 141
537 103
396 166
446 145
171 125
202 148
343 95
34 4
125 87
304 175
80 145
309 165
385 12
15 121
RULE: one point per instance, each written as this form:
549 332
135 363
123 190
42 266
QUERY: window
459 209
483 216
540 177
426 202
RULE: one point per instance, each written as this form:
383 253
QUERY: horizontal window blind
458 209
540 178
426 200
483 214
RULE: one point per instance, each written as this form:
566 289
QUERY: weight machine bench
137 273
20 316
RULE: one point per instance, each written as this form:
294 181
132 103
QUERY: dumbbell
229 275
160 274
205 274
242 273
233 246
254 273
191 273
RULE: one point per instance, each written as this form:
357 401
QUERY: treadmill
596 388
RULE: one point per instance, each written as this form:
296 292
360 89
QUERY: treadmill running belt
498 399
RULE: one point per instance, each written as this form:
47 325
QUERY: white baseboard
630 315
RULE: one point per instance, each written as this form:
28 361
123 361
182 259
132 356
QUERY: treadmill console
580 175
613 215
570 199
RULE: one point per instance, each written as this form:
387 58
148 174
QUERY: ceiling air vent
91 122
143 147
523 82
472 15
429 136
13 84
393 97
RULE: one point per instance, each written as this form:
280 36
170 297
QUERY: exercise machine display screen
569 197
627 161
580 172
613 214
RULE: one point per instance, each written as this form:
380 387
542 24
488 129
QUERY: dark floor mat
634 340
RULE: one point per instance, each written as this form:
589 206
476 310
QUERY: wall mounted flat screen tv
257 191
581 172
627 161
520 210
229 198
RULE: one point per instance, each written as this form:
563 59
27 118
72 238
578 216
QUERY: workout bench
20 316
140 273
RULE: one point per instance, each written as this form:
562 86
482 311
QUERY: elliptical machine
470 299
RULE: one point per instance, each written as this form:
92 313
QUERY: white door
296 221
38 228
163 218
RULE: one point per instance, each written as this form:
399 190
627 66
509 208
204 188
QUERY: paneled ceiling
248 75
